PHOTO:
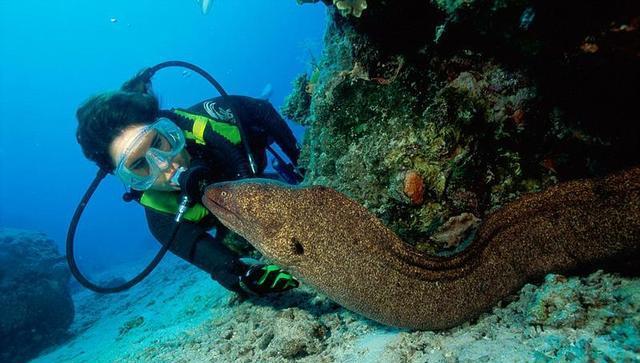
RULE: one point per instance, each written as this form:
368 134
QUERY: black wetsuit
263 125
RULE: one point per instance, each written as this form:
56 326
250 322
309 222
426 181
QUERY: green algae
296 105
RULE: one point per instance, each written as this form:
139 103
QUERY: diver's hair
102 118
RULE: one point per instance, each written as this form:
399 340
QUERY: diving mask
150 153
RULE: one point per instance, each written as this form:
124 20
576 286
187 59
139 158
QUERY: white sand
180 315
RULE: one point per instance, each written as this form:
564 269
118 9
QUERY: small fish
205 5
527 17
266 93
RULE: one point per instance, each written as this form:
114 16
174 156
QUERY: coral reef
300 327
606 327
297 103
346 7
188 319
485 101
353 7
35 304
303 327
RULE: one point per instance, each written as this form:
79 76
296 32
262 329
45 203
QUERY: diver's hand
263 279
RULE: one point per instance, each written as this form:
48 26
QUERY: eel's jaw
227 216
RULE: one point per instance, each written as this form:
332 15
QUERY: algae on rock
479 124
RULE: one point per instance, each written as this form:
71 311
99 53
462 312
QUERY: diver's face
122 142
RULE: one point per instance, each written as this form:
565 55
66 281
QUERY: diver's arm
196 246
260 114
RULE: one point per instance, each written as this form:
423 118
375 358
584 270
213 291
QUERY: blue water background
54 54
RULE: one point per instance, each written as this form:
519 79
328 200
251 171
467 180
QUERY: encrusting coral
414 187
354 7
346 7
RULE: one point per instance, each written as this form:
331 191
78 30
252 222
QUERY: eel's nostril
297 247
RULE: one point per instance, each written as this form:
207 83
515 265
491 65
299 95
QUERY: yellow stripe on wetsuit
228 131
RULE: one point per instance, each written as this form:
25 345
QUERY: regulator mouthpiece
175 179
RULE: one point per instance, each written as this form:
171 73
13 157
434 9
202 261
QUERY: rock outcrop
481 101
35 304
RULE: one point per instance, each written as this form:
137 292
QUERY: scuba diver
164 156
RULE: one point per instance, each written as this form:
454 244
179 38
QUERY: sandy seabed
180 315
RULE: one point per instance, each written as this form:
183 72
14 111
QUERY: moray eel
336 246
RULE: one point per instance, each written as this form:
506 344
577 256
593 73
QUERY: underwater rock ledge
35 302
481 101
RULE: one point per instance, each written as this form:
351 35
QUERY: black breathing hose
73 266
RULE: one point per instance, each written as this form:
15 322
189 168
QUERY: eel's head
272 216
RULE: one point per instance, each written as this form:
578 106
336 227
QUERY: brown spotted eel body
339 248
